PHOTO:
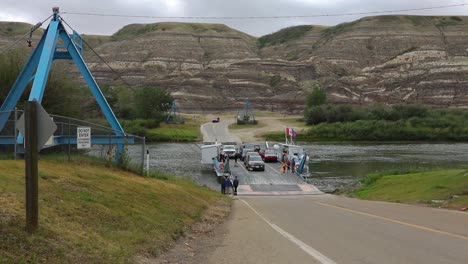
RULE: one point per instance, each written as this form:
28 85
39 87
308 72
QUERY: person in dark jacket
235 184
236 156
223 186
228 185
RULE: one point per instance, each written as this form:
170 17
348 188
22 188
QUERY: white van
229 150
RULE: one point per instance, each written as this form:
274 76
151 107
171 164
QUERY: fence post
15 133
69 136
147 162
143 157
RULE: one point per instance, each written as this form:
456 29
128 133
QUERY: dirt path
271 123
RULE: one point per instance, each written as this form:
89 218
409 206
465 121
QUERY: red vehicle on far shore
269 155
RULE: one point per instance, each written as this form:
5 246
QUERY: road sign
45 125
83 137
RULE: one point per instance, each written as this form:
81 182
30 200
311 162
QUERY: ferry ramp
270 182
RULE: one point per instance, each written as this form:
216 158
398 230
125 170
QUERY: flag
287 131
291 132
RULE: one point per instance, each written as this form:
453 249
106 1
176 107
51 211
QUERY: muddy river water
333 166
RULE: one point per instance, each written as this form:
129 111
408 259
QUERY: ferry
289 151
211 155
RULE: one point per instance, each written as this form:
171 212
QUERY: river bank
440 188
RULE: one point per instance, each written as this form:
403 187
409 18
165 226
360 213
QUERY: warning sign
83 137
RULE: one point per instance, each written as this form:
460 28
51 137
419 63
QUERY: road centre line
273 169
393 220
308 249
240 164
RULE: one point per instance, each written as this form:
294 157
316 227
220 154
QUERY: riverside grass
90 213
187 132
442 188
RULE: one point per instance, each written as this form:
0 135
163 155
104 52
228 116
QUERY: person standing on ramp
235 184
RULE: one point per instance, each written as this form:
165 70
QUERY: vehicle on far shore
216 120
269 155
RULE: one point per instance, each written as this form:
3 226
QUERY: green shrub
338 29
284 35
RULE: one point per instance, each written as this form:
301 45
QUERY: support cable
119 76
102 59
270 17
38 25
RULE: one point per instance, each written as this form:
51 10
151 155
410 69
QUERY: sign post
32 190
37 127
83 137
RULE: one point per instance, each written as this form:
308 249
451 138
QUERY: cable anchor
38 25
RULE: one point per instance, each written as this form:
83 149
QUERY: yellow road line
394 221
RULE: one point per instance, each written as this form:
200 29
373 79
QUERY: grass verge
442 188
260 124
187 132
90 213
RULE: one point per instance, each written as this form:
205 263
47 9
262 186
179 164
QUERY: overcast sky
33 11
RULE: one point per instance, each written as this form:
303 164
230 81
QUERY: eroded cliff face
393 59
206 67
211 67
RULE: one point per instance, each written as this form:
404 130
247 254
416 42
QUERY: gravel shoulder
199 240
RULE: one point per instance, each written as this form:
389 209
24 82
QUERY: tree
61 92
152 103
317 97
314 112
10 66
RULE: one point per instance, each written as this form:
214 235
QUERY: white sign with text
83 137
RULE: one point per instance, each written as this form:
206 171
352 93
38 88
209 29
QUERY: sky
33 11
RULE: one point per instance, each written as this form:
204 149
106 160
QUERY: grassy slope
136 30
260 124
12 29
423 187
283 35
187 132
93 214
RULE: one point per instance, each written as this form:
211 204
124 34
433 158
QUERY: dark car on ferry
253 161
269 155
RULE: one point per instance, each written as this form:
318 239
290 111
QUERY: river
334 166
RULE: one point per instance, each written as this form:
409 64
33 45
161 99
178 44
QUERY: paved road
333 229
218 132
324 228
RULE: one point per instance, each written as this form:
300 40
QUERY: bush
284 35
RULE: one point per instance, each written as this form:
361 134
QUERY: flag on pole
291 132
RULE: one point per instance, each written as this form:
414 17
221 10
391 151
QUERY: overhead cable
267 17
119 76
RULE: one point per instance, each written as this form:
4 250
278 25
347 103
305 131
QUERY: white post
147 162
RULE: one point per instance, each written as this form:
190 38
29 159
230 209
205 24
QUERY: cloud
33 11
